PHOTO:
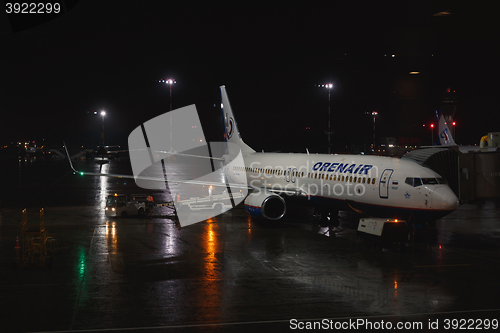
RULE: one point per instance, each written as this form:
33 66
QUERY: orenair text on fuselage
359 169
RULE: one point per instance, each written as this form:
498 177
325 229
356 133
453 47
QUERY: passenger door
384 183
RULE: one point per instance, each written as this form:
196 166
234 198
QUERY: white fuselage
382 186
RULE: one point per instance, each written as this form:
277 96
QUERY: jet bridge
442 160
471 174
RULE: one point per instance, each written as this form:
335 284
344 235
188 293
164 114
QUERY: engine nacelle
265 204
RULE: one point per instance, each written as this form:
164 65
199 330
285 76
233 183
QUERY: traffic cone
17 247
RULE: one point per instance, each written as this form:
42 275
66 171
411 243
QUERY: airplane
104 154
373 185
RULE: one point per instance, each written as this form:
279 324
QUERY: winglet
69 158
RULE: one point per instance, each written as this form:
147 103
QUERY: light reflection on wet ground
234 273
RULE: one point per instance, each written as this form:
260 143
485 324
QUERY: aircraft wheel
316 216
141 211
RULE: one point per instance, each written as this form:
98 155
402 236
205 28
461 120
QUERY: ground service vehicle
119 205
147 199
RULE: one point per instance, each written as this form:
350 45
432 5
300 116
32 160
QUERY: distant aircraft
444 135
372 185
105 154
445 138
102 151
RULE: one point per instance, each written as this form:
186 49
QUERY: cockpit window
442 181
425 181
430 181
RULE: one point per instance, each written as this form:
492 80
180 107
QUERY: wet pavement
234 273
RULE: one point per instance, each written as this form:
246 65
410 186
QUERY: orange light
396 220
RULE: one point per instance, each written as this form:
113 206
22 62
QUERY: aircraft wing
188 155
156 179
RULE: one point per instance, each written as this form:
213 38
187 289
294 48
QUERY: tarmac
233 272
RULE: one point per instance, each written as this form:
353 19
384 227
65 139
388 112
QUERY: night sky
107 55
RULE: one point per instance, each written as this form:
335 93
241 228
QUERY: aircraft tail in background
444 135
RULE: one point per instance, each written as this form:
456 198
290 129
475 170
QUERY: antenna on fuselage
307 150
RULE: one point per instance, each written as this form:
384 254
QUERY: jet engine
265 204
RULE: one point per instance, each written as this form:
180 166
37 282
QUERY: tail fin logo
444 135
229 127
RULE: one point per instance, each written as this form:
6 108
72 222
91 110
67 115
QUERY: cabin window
323 176
350 179
355 179
364 180
373 181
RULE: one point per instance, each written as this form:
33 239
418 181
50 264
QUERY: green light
81 173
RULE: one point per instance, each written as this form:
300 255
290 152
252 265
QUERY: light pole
373 114
432 134
329 132
103 113
170 82
329 86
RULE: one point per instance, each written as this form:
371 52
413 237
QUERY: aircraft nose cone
445 199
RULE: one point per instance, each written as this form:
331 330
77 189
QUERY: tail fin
444 135
231 133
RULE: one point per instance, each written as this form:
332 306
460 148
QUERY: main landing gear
326 217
